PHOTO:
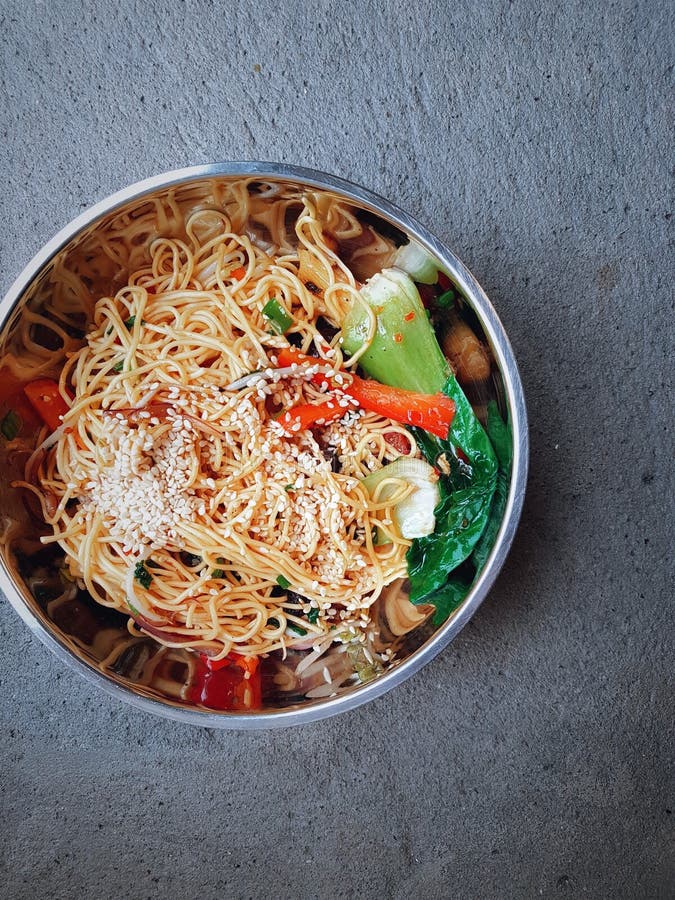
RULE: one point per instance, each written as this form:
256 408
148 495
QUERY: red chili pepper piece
47 401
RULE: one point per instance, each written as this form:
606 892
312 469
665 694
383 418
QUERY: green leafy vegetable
466 496
495 515
404 352
11 425
502 440
142 576
447 598
501 436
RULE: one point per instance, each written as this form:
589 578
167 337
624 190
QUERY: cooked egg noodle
158 459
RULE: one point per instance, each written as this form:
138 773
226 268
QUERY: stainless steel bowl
96 654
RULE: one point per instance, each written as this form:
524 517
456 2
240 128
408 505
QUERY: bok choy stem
404 352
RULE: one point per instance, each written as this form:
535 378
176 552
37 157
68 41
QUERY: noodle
184 504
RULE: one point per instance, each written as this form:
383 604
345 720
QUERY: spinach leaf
447 598
462 514
500 434
484 546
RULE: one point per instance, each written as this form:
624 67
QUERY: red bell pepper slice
233 683
47 401
289 356
432 412
304 416
13 399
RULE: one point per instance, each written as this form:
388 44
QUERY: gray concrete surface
534 757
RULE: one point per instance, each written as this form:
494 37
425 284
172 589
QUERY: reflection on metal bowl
95 640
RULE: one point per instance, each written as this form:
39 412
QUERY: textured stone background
533 757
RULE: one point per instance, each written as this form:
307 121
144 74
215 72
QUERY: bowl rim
508 368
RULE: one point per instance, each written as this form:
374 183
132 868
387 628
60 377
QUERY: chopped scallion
283 582
142 576
278 317
11 425
445 300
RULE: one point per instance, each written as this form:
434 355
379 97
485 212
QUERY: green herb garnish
11 425
129 323
313 616
217 573
142 576
296 629
118 366
445 300
289 487
283 582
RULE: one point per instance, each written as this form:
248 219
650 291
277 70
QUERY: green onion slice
278 317
11 425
